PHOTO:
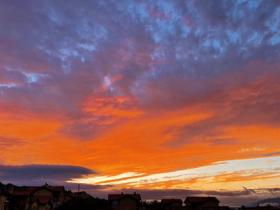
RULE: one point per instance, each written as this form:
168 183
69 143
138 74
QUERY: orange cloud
113 107
16 125
226 125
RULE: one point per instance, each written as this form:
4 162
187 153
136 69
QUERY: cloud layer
38 174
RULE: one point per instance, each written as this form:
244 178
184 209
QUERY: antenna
251 192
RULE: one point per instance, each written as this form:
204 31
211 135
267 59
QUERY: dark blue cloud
39 174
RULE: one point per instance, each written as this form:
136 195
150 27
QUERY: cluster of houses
48 197
44 197
133 201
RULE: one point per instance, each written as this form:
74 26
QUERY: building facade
125 201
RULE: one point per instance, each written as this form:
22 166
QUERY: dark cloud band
42 172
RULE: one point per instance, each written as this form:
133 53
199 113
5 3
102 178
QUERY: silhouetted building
202 203
152 205
81 195
84 201
125 201
36 198
3 202
3 197
171 204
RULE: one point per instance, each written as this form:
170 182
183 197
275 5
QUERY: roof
171 201
43 199
82 195
200 200
25 191
56 188
113 197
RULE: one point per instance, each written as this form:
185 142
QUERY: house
81 195
44 197
19 197
125 201
41 198
171 204
3 197
202 203
3 202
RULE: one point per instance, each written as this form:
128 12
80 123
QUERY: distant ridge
269 201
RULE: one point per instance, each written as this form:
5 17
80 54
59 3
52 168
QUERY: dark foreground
48 197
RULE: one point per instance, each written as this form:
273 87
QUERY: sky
166 98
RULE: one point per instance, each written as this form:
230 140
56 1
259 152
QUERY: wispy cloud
243 168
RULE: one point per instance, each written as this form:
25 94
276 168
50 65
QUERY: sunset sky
166 98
